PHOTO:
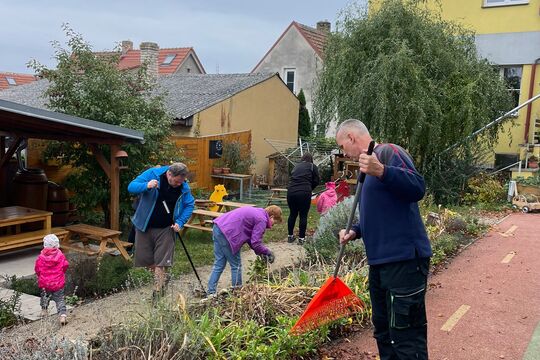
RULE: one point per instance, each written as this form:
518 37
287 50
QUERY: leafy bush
25 285
111 275
325 243
8 309
531 180
483 189
238 157
139 276
86 277
80 274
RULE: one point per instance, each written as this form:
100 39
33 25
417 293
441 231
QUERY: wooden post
115 189
3 174
113 173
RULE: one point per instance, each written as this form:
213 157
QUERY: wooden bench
104 236
200 219
230 205
30 238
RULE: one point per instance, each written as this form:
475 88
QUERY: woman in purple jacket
234 229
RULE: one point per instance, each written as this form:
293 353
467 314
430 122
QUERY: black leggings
298 203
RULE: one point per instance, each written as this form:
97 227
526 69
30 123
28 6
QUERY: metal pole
359 184
185 249
494 122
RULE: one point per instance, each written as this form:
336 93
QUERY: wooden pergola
20 122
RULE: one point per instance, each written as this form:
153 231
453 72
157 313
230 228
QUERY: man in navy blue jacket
165 205
397 246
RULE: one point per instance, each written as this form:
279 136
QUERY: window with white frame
512 77
289 76
488 3
168 59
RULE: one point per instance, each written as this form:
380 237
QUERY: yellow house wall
484 20
489 20
268 109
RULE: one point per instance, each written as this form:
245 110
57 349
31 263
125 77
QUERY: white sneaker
208 298
63 319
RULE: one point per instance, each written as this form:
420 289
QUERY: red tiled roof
132 59
20 79
315 38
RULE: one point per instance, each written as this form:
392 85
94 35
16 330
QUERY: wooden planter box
528 189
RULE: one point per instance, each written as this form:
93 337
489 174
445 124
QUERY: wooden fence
197 152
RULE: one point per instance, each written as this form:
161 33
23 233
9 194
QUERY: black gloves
269 258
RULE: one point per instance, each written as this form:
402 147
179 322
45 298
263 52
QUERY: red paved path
504 299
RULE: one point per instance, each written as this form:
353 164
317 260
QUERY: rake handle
361 179
185 249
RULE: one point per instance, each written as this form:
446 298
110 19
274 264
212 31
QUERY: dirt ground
86 320
496 281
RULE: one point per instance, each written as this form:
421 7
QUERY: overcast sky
229 36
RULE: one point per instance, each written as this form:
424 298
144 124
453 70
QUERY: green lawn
200 244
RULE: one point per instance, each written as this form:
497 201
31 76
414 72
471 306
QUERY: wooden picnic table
277 195
230 205
199 220
104 236
11 219
204 204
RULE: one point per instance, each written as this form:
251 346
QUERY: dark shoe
301 241
290 239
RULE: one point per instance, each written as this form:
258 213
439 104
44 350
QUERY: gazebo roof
30 122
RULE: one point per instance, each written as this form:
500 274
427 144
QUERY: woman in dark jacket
304 178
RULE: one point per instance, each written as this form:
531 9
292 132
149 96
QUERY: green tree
90 85
414 79
304 124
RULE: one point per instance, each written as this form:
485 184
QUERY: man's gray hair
177 169
353 124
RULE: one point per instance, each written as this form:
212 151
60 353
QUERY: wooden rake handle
361 179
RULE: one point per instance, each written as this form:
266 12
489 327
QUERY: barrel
30 188
58 204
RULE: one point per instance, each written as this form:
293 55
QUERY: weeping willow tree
415 80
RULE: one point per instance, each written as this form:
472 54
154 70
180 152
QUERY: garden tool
186 251
334 299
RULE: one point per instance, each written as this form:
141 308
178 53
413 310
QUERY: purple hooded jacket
245 225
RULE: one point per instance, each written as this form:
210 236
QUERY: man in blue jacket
160 189
397 247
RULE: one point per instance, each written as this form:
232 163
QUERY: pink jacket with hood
51 265
328 198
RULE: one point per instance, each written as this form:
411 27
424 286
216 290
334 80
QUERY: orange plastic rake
334 299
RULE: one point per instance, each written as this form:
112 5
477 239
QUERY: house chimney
126 46
149 55
323 26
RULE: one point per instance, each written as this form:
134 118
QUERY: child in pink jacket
328 198
50 268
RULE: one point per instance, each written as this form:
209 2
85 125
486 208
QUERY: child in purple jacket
51 266
234 229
